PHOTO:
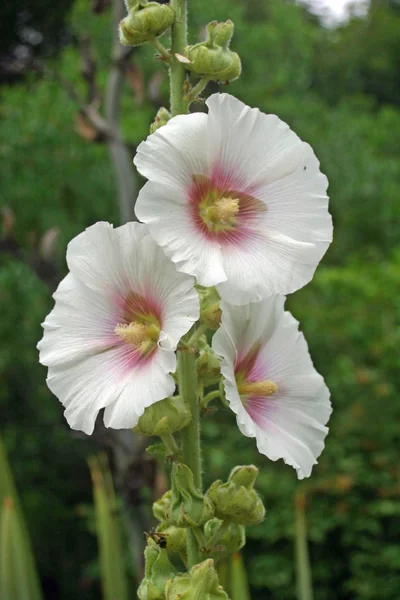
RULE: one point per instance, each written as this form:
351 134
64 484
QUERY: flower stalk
177 69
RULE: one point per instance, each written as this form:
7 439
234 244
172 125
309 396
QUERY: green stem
177 69
198 88
201 329
209 397
190 437
162 51
303 567
170 443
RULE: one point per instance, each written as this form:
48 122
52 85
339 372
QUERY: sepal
236 500
201 583
189 508
213 58
164 417
162 117
231 541
144 21
158 571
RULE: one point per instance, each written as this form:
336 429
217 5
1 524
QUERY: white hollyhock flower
118 317
271 383
236 199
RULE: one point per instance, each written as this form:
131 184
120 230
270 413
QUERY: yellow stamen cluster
219 214
140 336
258 388
226 209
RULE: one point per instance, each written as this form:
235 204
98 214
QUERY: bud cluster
145 20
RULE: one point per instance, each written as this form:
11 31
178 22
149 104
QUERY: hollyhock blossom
236 199
271 383
119 314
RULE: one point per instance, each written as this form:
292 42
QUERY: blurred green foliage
340 90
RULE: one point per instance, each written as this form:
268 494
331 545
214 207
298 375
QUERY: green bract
162 418
158 571
189 508
201 583
144 21
236 500
213 58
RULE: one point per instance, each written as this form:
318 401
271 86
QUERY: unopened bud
210 312
164 417
175 537
236 500
162 117
232 539
158 571
162 507
213 58
189 508
201 583
145 20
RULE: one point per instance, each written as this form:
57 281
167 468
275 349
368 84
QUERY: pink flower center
140 326
219 211
253 389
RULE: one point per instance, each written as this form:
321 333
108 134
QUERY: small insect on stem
159 537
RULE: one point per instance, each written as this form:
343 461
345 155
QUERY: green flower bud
201 583
210 312
213 58
208 367
162 117
237 499
175 537
162 507
158 571
144 21
231 540
164 417
189 508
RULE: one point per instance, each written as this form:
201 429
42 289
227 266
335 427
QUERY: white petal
143 389
291 423
164 209
89 367
253 146
104 381
95 256
81 324
175 152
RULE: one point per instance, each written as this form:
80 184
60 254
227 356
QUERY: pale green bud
164 417
144 21
175 537
189 508
162 507
210 312
201 583
208 367
213 58
162 117
232 540
158 571
237 499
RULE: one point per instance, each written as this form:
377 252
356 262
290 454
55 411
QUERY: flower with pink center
119 314
271 384
236 199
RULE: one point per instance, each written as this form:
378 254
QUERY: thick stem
190 437
177 69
